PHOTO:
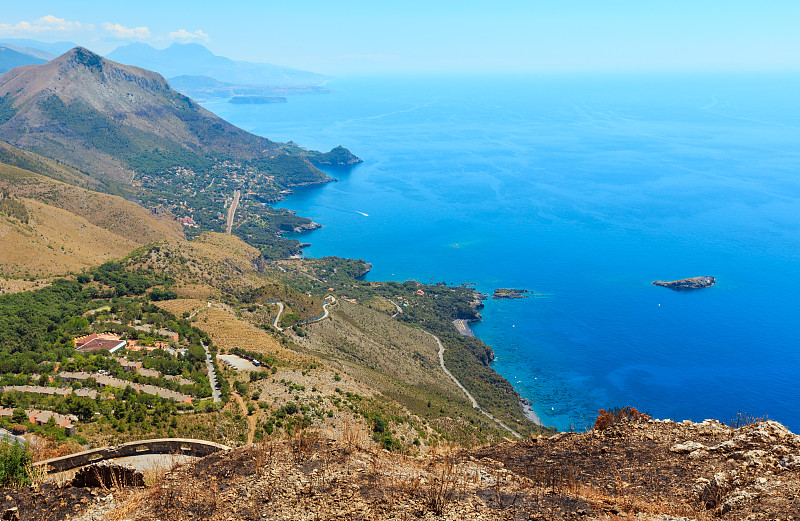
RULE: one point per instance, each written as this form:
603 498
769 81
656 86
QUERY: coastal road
331 302
232 210
212 376
469 396
399 309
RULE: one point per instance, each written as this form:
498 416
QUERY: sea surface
582 189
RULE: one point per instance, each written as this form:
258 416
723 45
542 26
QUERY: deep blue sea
582 189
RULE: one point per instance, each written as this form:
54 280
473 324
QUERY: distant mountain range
51 50
13 56
123 130
191 59
191 68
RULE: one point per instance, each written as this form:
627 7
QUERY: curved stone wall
182 446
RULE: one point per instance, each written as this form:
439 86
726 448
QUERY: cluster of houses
38 417
188 222
137 366
112 342
95 342
110 381
51 391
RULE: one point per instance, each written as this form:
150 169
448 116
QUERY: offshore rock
691 283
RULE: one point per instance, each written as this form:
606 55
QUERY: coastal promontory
690 283
510 293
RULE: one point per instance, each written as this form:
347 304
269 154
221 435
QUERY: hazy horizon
505 37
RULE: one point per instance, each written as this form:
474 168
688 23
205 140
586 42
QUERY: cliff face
648 470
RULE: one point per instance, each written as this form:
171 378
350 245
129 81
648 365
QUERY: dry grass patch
19 285
227 332
56 242
109 212
183 305
211 264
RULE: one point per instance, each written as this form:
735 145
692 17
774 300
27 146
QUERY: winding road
469 396
325 308
278 316
399 309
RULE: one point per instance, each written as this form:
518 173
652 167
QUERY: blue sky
498 36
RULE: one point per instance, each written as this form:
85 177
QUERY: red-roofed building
98 344
129 365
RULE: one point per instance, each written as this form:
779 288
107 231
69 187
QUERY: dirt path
252 420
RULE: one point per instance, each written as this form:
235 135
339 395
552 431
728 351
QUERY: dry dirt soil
644 470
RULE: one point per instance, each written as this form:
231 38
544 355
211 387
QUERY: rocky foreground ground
645 470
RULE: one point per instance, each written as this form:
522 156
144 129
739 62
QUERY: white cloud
186 36
126 33
44 24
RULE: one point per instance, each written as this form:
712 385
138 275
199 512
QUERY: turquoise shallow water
584 190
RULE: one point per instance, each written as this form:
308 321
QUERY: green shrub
16 461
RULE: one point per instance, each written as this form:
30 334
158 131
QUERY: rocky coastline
256 100
307 227
527 410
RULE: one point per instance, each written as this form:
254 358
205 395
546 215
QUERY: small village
106 366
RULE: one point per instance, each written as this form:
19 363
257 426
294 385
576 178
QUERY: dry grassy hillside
227 331
358 336
55 242
207 267
47 167
115 214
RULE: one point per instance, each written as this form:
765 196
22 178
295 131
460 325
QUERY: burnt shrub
607 418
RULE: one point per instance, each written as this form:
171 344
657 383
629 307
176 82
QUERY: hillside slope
48 227
53 241
113 213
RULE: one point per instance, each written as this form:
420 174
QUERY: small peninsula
510 293
690 283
